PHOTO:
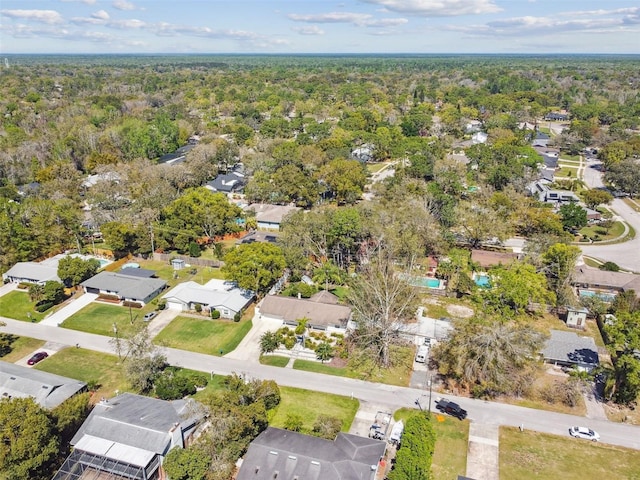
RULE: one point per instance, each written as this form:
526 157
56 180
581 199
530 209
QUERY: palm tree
327 273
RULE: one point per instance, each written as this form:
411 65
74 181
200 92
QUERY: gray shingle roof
294 455
570 348
47 389
605 279
231 297
33 271
125 286
134 420
291 309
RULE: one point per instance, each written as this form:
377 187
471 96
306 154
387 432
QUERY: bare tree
383 301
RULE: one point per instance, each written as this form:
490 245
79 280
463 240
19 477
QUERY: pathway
483 452
74 306
249 347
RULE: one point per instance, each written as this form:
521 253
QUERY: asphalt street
627 254
395 397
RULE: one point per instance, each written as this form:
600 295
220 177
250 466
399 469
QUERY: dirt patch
460 311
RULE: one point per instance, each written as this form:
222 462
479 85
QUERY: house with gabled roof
220 295
285 455
128 436
321 311
126 287
593 281
47 389
228 183
268 216
568 349
31 272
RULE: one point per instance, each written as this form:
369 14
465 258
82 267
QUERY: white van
422 354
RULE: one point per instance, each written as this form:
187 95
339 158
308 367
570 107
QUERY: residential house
177 157
488 258
540 140
321 310
127 437
48 390
595 282
268 216
473 126
228 183
545 193
556 117
216 294
479 137
285 455
363 153
137 272
126 287
93 180
567 349
31 272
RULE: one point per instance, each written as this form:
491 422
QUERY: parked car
149 316
37 357
451 408
584 432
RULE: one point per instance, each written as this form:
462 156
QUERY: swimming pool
605 297
482 281
428 282
103 262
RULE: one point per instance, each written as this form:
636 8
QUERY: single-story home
557 116
285 455
568 349
47 389
31 272
541 139
479 137
363 153
231 182
268 216
216 294
585 277
127 437
137 272
487 258
126 287
320 310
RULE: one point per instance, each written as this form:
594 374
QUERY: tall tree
75 270
559 262
254 266
382 302
29 441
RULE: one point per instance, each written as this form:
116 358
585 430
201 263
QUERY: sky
314 26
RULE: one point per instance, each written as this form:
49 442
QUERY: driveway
249 347
74 306
8 287
50 347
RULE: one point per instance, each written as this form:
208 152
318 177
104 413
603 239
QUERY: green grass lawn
452 438
166 272
309 404
274 360
399 375
569 172
18 306
375 167
99 318
532 455
87 365
21 347
203 336
591 231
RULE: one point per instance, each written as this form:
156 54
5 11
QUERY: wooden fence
199 262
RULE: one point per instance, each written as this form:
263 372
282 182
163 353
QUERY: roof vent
314 462
272 452
292 457
275 474
257 470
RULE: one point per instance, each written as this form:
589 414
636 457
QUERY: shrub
609 267
169 386
215 314
289 342
327 427
294 422
44 306
238 316
197 307
162 304
128 303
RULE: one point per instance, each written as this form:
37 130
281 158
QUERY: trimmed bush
215 314
128 303
42 307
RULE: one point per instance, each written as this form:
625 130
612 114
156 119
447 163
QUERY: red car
37 357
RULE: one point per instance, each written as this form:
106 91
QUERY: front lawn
21 347
452 440
599 234
309 405
274 360
99 318
398 374
18 305
212 337
88 366
532 455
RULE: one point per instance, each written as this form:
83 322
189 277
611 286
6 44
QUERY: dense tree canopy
254 266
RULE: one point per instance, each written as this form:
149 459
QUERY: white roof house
268 216
31 272
223 296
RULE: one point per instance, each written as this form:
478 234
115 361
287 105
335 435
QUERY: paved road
627 254
368 393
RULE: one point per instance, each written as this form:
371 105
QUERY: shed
178 263
577 317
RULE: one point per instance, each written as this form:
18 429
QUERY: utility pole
430 383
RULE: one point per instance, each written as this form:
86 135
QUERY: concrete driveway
50 347
74 306
249 347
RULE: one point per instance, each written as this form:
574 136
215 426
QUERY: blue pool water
605 297
431 282
482 280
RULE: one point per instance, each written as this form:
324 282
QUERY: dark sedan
37 357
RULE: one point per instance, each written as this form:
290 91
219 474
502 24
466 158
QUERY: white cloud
130 24
86 2
123 5
438 8
100 15
309 30
358 19
43 16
